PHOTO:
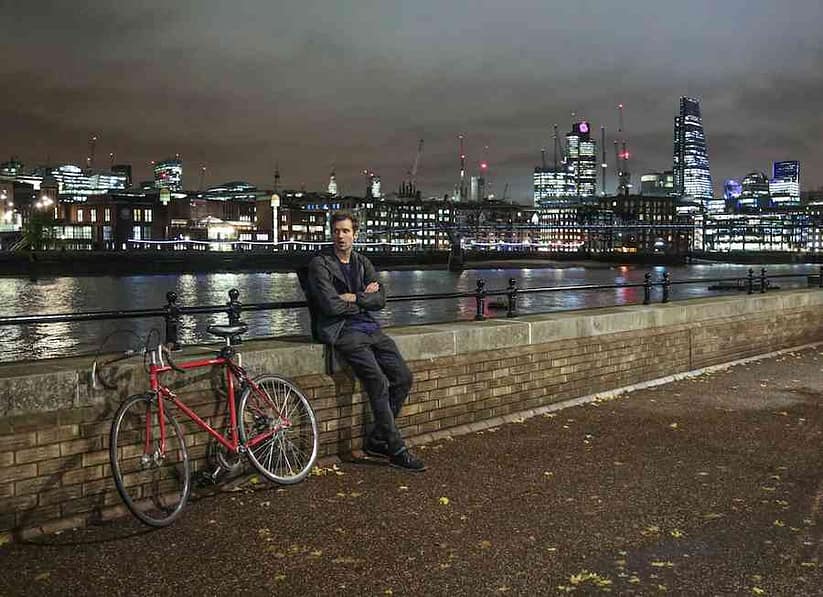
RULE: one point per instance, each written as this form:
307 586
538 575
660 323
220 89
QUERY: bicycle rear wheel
154 486
278 427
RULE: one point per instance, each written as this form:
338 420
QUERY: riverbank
184 262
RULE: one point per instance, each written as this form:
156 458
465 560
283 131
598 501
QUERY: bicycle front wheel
154 483
278 428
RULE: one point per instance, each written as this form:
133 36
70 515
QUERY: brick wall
54 468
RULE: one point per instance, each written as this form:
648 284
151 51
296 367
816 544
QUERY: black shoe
407 461
376 447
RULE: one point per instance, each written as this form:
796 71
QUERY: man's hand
349 297
372 287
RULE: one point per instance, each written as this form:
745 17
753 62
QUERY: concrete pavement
707 486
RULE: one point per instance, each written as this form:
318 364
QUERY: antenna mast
461 193
603 163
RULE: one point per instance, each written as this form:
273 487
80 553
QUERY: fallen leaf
444 501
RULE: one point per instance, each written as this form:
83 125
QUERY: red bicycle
269 420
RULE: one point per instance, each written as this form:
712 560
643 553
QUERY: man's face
343 235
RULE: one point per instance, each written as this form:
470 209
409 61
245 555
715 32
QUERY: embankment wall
54 425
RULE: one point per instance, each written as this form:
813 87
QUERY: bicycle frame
233 372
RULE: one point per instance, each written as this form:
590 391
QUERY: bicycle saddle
227 331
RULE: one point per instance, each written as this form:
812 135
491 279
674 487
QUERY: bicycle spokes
152 479
279 429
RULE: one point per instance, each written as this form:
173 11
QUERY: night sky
242 85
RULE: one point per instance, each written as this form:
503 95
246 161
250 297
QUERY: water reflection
22 296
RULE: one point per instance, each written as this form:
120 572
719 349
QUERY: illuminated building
550 184
754 192
11 169
784 186
732 190
123 170
692 174
168 174
581 159
333 191
657 184
787 232
76 184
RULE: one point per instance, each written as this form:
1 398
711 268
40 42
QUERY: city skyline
355 85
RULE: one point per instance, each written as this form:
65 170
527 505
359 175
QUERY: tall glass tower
581 159
784 186
692 175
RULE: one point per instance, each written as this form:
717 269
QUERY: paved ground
708 486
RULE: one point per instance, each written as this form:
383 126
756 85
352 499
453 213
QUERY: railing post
751 281
763 281
647 289
480 297
820 279
172 321
667 285
512 311
233 309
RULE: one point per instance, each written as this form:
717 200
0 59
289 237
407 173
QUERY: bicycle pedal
205 478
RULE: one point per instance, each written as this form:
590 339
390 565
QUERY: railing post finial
233 308
647 288
667 285
172 317
512 289
480 298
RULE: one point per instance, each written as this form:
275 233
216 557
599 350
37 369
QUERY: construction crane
622 157
603 163
408 188
90 158
416 165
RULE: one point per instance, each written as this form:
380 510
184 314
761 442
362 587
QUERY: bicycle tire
288 455
155 489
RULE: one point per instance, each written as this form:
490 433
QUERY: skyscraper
784 186
754 191
551 184
168 174
692 174
581 159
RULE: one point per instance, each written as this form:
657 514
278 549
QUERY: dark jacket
326 283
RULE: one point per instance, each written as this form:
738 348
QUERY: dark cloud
241 86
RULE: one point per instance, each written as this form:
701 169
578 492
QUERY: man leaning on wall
345 291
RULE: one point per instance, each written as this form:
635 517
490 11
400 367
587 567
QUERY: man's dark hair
339 216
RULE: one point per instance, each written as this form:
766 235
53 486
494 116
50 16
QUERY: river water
24 296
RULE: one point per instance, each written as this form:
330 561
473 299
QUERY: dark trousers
378 365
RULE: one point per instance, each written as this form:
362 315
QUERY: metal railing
172 312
